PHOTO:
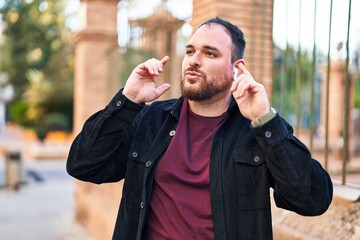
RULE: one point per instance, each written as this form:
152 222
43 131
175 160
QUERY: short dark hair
237 36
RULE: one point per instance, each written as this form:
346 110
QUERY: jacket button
268 134
135 154
256 159
142 204
148 164
172 133
118 103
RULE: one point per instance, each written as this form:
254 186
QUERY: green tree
356 63
37 56
284 84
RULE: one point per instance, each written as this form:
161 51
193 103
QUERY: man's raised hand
140 87
250 95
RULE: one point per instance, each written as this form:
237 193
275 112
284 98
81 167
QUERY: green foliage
17 112
37 56
129 59
357 92
52 122
286 64
56 121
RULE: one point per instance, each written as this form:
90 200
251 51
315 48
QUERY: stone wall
97 207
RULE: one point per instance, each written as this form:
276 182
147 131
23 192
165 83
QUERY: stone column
96 58
336 103
255 19
96 81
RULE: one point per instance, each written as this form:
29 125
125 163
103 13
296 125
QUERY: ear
239 61
236 68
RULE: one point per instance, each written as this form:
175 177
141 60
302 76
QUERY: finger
164 60
157 65
244 86
235 84
238 83
147 66
162 89
251 87
242 67
153 66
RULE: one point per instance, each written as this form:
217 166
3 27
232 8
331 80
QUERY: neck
210 108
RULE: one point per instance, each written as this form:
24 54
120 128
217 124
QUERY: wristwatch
265 118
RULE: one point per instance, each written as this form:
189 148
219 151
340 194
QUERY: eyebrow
204 47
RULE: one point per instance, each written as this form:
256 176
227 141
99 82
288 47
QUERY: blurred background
61 61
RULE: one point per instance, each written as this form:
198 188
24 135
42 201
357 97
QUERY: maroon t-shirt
180 207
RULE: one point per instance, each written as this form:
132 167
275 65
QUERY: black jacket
125 140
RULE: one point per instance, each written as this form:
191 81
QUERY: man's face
206 67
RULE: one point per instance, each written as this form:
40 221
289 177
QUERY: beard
203 90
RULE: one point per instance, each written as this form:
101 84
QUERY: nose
195 60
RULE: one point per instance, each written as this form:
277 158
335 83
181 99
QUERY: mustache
194 69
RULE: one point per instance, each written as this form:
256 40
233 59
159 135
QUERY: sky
286 26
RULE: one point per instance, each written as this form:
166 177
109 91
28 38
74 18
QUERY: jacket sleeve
300 182
99 152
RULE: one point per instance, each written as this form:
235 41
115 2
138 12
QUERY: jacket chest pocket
252 183
250 167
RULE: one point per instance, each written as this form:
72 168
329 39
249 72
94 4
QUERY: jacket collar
176 107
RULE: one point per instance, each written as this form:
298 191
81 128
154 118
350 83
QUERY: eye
189 52
210 54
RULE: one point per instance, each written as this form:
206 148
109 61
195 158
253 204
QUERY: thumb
162 89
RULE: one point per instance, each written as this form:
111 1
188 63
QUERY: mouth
192 75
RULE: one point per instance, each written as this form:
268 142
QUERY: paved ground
43 207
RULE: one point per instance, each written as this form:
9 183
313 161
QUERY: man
201 166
